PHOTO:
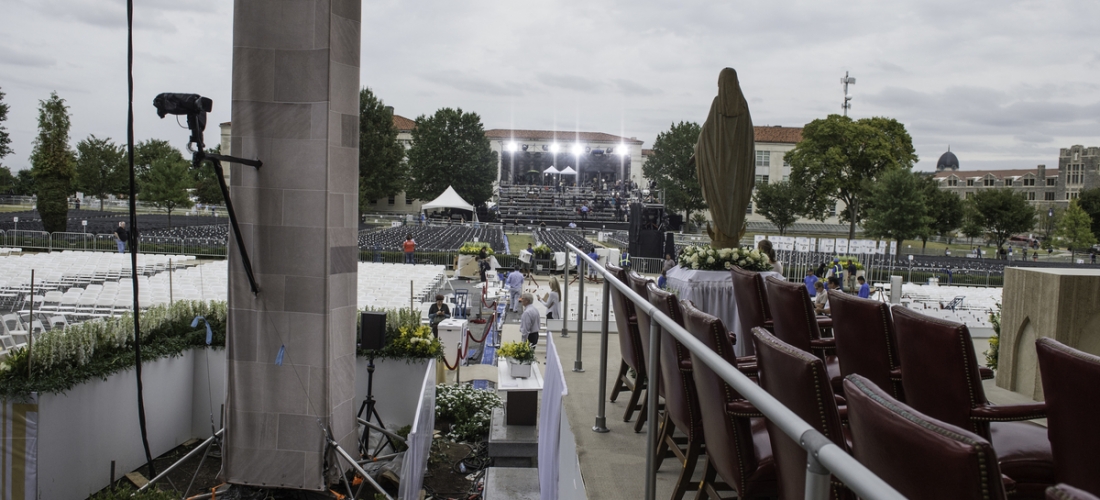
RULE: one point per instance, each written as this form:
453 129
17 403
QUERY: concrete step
512 445
511 483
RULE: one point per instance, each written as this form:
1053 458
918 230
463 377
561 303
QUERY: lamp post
910 268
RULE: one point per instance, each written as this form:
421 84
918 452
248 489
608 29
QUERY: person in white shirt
529 321
514 283
552 300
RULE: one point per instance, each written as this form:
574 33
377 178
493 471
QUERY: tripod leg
381 443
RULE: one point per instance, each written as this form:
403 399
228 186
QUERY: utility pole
847 80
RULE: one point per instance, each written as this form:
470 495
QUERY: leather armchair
638 283
1070 380
796 324
940 379
865 341
919 456
682 400
752 302
738 448
1066 492
798 380
629 347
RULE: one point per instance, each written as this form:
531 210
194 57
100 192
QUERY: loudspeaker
372 333
670 245
649 244
675 222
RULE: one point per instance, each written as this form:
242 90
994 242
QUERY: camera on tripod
194 106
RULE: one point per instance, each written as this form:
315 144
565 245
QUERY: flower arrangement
520 352
466 410
844 261
707 258
542 252
471 248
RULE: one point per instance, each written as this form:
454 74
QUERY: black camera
170 103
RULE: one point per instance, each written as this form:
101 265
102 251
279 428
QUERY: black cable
133 230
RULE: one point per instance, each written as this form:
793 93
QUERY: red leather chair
798 380
752 302
738 448
629 347
919 456
638 284
865 341
1070 381
796 324
940 378
682 402
1066 492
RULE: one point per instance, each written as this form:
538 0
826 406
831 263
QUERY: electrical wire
133 231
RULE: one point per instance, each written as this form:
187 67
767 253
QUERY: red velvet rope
463 353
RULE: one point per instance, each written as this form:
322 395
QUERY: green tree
671 166
896 207
838 158
7 181
971 222
382 168
150 150
1075 229
100 170
1003 212
205 181
5 138
53 163
779 202
24 183
166 184
1046 224
1089 200
944 210
449 148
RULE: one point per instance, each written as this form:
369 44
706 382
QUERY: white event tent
449 199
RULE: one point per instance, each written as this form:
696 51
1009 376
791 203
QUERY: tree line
867 165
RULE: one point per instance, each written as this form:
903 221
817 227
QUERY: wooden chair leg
706 486
635 394
665 444
643 415
619 382
691 458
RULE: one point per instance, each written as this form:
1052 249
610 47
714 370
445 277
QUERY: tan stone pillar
296 108
1063 304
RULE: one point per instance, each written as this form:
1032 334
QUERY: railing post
578 366
652 383
565 300
601 415
817 479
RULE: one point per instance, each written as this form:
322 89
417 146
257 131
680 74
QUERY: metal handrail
822 455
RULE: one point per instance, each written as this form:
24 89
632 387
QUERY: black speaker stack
647 230
372 332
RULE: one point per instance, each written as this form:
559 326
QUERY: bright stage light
623 150
578 149
554 148
510 147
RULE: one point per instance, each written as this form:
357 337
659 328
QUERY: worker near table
438 312
514 283
529 321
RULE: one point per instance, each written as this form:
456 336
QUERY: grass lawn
518 242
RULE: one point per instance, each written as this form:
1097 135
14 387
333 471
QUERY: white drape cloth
712 292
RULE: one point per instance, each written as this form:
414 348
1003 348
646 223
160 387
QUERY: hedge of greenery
61 359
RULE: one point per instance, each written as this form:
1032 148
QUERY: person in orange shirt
410 248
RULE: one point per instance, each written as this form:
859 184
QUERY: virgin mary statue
725 161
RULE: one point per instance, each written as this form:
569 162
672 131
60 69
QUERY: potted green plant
520 355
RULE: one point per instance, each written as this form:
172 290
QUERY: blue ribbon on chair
209 333
279 357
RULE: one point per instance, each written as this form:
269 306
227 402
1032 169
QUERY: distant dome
948 161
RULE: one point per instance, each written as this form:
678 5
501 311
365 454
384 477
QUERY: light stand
371 414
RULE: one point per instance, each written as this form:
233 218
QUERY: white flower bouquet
707 258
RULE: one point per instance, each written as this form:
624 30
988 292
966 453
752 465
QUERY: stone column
1041 302
296 108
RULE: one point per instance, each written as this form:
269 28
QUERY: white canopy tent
568 171
449 199
551 170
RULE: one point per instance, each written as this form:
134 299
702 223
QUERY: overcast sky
1005 84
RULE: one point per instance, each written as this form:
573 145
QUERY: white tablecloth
712 292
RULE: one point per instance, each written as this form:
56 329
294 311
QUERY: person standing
482 263
584 211
864 288
669 264
552 300
851 276
811 280
765 247
409 248
528 254
592 274
529 321
437 313
514 283
121 237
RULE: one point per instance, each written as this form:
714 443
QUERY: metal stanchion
601 414
565 300
578 366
